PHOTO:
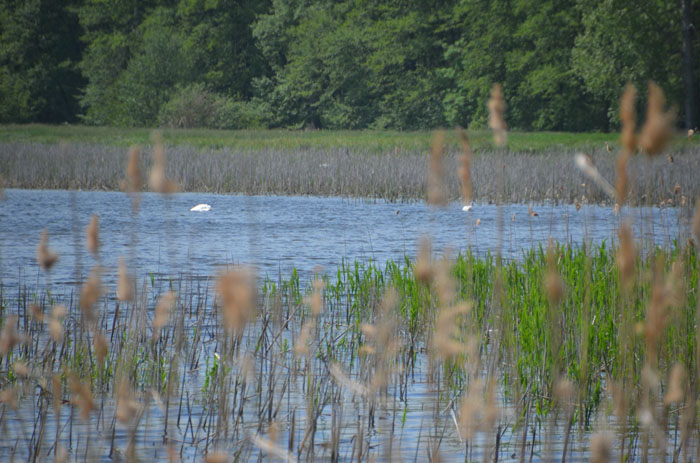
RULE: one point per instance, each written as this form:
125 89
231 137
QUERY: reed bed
185 367
568 353
394 176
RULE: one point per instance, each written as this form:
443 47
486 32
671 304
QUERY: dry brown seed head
601 448
657 127
101 347
497 108
9 337
56 322
133 171
92 235
237 291
423 269
57 390
437 196
8 396
127 407
446 341
553 283
626 254
82 396
91 292
21 369
36 312
628 139
164 308
465 177
157 179
621 182
46 257
676 387
124 289
217 457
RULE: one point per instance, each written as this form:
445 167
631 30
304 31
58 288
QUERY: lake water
277 233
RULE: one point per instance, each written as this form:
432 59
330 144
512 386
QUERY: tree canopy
348 64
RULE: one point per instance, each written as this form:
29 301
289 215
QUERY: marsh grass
525 178
569 352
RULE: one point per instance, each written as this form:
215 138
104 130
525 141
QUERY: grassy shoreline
378 141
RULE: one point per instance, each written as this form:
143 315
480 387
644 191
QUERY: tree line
341 64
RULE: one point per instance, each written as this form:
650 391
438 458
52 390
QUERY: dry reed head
125 290
446 340
9 337
134 180
20 369
424 269
217 457
497 109
127 407
44 256
626 255
657 127
81 396
92 235
585 164
315 301
477 411
437 196
676 385
601 448
157 179
101 347
628 139
9 397
237 291
553 283
306 335
56 322
621 182
465 176
91 292
565 393
57 390
164 308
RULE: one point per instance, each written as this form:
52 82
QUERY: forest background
342 64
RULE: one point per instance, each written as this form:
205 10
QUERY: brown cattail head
628 139
164 308
446 341
217 457
553 283
81 396
134 180
621 182
91 292
57 390
92 235
237 290
125 291
465 176
56 322
9 337
497 109
424 269
437 195
626 254
127 407
657 127
315 301
676 385
157 179
101 347
601 448
46 257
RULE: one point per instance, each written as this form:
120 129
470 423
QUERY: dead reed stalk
497 109
657 127
45 256
437 194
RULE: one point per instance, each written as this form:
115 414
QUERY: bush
192 106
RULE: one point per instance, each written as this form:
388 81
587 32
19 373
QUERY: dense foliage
403 64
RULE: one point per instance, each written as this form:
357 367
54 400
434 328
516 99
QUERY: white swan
468 207
201 208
